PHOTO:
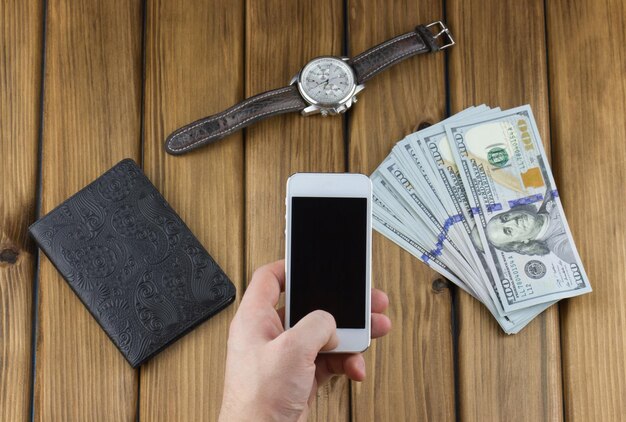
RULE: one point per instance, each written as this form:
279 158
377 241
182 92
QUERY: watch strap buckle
441 30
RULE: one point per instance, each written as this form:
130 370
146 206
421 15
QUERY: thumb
315 332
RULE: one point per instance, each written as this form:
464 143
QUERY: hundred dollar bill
434 141
412 224
518 214
433 144
440 202
420 176
444 242
393 227
410 232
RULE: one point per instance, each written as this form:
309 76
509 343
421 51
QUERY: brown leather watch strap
217 126
288 99
377 59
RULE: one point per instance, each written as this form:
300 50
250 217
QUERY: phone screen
328 258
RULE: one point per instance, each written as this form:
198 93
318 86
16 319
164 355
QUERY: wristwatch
325 85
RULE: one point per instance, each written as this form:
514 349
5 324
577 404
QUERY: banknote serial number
518 289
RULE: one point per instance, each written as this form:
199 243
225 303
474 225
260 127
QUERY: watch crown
354 100
324 113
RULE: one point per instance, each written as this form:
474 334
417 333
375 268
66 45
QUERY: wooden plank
588 104
281 36
92 119
20 108
500 59
194 67
411 371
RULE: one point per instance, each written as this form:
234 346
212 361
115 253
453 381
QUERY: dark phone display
328 258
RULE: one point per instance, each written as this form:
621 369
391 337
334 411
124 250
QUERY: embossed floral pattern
133 262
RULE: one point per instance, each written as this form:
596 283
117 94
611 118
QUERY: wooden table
84 84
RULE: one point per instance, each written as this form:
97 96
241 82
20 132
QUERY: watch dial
327 80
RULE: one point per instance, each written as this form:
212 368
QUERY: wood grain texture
194 67
21 26
500 59
411 371
204 55
588 104
92 119
281 36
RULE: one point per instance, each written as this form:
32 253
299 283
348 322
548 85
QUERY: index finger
266 284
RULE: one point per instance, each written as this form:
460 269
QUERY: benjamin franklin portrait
528 231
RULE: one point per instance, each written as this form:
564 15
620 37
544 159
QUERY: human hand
273 374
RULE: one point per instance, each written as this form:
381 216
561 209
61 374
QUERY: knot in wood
439 285
8 256
423 125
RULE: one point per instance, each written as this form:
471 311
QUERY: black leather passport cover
133 262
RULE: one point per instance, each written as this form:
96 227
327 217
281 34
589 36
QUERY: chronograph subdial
327 82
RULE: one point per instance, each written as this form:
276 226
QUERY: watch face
327 81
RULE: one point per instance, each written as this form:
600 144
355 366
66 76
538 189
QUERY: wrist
238 409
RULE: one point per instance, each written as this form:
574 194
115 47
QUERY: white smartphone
328 253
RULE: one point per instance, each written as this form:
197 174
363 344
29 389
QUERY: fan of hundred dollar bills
473 197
